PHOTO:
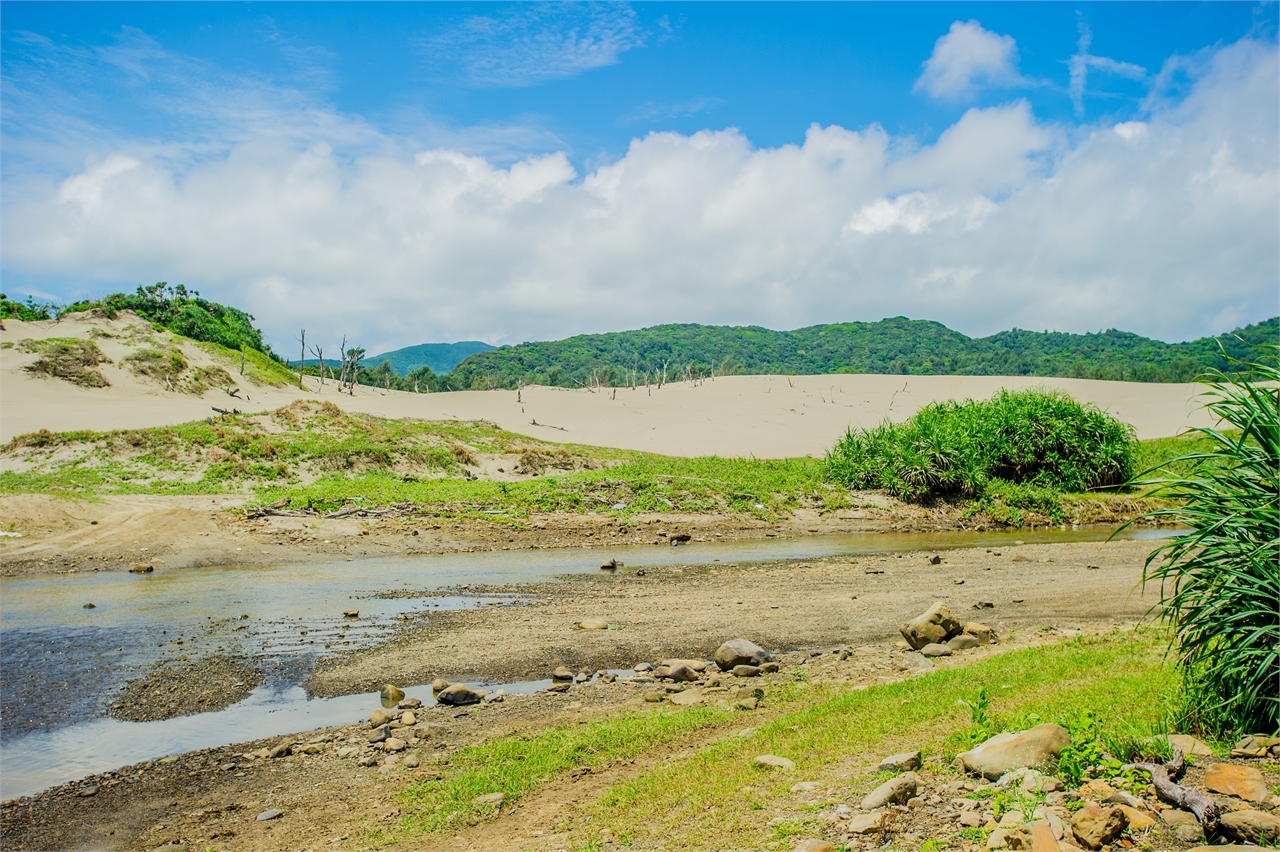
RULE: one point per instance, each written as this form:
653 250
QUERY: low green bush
1038 439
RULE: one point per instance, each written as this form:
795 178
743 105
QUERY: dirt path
210 799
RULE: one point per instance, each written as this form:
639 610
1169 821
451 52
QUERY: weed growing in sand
68 358
1035 439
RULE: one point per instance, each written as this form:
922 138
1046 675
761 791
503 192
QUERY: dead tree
318 351
302 360
342 355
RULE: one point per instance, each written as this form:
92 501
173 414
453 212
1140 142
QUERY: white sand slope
764 416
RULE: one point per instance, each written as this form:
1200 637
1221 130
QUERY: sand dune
764 416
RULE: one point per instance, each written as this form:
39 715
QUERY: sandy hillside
765 416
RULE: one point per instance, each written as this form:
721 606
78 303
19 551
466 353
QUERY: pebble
772 761
391 695
904 762
562 673
439 685
933 649
273 813
895 791
412 761
379 717
91 790
490 799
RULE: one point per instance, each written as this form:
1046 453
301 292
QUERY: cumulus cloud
535 43
1165 226
967 58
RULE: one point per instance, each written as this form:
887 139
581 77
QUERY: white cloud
531 44
967 58
1004 220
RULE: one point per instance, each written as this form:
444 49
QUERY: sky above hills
407 172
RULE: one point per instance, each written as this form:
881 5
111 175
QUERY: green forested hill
440 357
897 345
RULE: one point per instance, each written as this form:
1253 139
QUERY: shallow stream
61 663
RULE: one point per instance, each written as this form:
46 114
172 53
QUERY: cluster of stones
1099 815
937 632
685 682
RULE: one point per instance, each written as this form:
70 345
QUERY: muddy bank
171 689
59 535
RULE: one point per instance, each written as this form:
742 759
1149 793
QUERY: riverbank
671 610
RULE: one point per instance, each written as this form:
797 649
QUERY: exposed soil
213 797
120 533
181 689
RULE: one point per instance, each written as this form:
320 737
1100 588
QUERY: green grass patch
516 765
68 358
1121 679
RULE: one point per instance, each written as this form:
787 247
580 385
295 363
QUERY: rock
280 750
683 673
1097 790
562 673
408 720
772 761
935 560
963 642
746 671
997 839
394 744
895 791
609 565
1138 820
351 613
90 606
806 786
769 668
748 703
1256 745
379 734
653 697
86 792
642 667
934 625
813 844
273 813
562 686
378 718
309 748
687 698
593 624
871 823
1120 797
915 661
1005 752
904 762
1243 782
458 694
142 568
970 819
1190 833
495 698
409 704
1252 826
1097 827
984 634
412 761
1173 816
391 695
490 799
367 760
740 652
348 751
1034 781
933 649
1189 745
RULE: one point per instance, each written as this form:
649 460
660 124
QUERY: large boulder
895 791
1243 782
740 652
459 694
934 626
1252 827
1097 827
1005 752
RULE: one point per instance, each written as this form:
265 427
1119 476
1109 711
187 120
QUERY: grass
167 365
315 454
1033 439
714 797
67 358
1221 581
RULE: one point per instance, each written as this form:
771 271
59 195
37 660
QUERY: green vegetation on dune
896 346
1021 448
1012 470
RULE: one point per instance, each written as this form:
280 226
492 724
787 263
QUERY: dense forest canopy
671 352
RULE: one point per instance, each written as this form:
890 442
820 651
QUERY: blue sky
518 171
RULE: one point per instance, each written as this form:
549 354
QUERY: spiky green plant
1220 582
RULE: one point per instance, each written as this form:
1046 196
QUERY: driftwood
224 411
1186 798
